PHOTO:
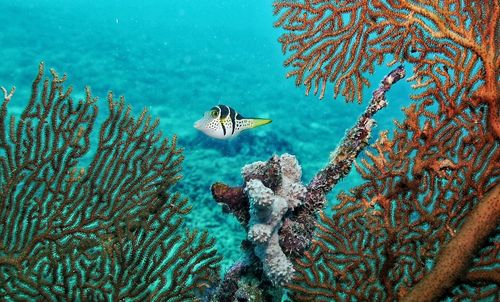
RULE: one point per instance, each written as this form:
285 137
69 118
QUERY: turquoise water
178 59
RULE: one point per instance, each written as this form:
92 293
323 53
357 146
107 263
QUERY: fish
223 122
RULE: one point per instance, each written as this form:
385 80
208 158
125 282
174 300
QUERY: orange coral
419 189
453 45
424 180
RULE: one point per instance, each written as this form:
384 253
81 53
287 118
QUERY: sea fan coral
427 181
107 228
452 44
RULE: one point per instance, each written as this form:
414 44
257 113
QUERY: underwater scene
247 151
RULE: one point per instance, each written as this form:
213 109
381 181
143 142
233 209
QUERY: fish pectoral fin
256 122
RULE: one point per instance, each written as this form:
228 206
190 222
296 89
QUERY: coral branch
100 225
420 186
282 211
423 181
453 46
355 140
455 258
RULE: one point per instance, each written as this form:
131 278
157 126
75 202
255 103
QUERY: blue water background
178 59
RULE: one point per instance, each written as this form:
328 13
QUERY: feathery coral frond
99 227
452 44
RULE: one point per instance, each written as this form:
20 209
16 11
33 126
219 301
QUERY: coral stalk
355 140
282 211
455 258
424 181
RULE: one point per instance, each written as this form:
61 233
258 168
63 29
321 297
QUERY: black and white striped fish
224 122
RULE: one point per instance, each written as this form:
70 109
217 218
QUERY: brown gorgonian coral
453 46
432 185
88 217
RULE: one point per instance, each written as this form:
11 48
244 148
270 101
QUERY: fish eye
213 113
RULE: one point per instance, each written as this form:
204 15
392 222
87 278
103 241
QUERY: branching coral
452 44
385 235
424 183
107 228
279 212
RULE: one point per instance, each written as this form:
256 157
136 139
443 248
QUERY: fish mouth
197 125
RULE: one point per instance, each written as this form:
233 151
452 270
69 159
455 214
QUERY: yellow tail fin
256 122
